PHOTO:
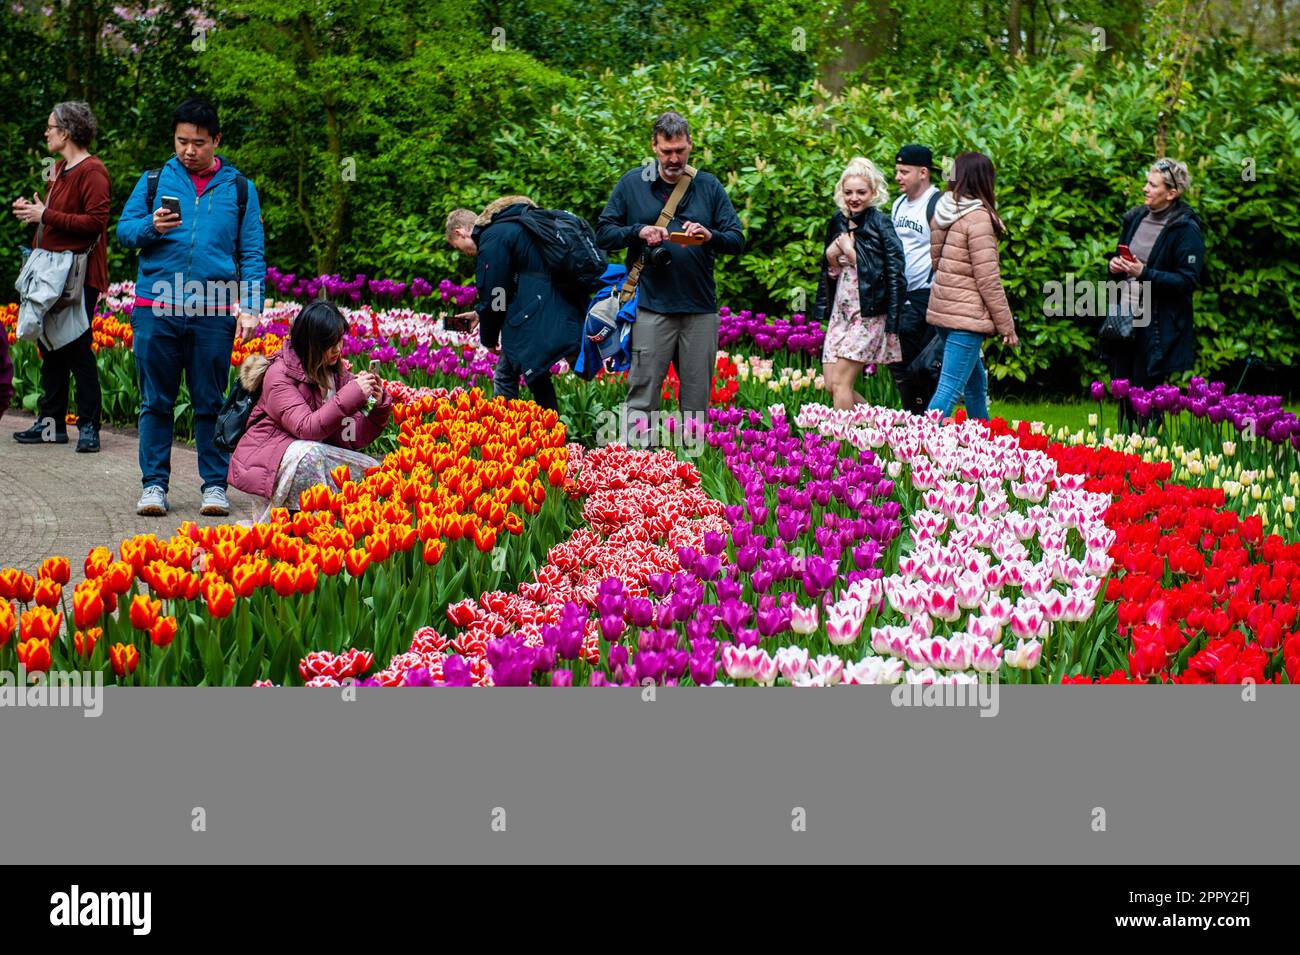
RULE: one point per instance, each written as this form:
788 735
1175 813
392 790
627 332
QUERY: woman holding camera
862 283
311 415
967 300
73 218
1161 252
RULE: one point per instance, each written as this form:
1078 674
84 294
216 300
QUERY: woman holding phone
73 218
862 284
967 300
311 415
1160 254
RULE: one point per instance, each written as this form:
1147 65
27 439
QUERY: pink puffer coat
967 291
290 409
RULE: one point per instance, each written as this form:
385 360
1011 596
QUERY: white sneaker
153 502
215 502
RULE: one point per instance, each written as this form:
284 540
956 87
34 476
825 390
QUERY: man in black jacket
518 306
677 307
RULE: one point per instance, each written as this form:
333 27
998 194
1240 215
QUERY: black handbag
1117 326
929 361
232 420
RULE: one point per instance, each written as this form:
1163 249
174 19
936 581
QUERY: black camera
658 257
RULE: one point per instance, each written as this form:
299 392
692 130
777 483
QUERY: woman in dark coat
862 284
1167 247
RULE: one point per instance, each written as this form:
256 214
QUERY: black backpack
568 245
241 198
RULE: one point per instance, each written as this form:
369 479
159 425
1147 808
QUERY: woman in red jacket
311 415
73 218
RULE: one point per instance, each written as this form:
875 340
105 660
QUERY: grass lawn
1056 414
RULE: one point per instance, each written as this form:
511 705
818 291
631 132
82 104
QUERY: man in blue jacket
200 277
677 310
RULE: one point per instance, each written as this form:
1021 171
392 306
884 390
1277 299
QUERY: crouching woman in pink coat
311 415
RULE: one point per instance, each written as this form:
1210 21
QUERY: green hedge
1071 153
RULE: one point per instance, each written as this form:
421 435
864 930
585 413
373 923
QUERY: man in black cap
912 213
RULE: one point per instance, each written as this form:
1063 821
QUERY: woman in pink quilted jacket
311 415
967 301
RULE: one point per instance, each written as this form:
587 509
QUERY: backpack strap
241 198
893 210
665 217
929 208
151 188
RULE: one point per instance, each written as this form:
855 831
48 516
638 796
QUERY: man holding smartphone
198 225
677 309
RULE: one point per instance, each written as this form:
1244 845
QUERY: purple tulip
456 671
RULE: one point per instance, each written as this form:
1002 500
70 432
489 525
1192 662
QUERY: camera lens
658 257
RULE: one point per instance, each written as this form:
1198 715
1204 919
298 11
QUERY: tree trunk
862 42
1013 27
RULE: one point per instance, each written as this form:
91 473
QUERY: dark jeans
914 334
505 384
166 345
77 359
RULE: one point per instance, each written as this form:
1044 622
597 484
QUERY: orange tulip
163 631
125 658
97 561
56 569
244 577
87 604
514 524
226 554
34 654
48 592
84 643
404 539
340 475
307 576
284 579
433 551
7 621
331 560
40 623
378 546
192 582
119 576
144 612
221 599
485 538
24 587
356 561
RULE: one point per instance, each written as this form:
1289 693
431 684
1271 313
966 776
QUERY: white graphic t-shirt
914 232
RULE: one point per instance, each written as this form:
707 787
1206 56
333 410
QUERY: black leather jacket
882 279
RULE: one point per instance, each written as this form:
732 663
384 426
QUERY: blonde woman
862 285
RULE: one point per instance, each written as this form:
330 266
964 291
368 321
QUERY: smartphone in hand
1126 253
454 323
172 205
683 238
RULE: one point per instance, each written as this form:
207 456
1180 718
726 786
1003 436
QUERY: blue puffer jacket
202 249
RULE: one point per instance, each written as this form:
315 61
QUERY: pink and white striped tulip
1025 656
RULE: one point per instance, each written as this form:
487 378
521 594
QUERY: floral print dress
852 337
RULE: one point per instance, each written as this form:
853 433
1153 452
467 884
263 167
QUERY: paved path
55 501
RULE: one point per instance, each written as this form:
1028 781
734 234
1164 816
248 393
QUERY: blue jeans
962 374
164 346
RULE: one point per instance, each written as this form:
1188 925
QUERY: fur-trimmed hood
496 205
252 370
